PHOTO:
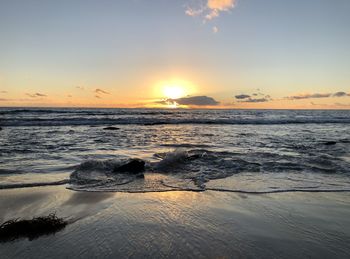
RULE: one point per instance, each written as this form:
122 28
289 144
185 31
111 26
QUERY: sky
175 53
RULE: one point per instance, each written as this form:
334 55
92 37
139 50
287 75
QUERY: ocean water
249 151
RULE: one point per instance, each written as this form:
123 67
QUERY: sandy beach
181 224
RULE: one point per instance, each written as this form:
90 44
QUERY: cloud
192 12
256 100
257 93
217 6
246 98
213 14
36 95
340 94
80 87
3 92
215 29
316 95
207 10
192 101
242 96
222 5
308 96
100 91
98 97
4 100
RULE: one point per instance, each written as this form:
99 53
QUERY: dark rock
329 143
111 128
0 128
134 166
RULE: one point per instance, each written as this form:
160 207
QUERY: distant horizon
170 108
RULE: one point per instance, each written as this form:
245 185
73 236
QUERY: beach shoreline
181 224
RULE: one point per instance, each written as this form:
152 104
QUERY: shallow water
181 224
197 150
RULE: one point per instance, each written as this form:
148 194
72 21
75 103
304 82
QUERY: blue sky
282 48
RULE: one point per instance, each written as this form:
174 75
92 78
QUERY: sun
168 92
173 91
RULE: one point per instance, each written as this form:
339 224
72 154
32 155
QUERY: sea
243 151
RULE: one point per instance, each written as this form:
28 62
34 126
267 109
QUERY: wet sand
181 224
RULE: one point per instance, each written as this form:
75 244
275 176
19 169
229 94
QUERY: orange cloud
210 9
222 5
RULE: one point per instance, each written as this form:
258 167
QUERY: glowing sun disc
173 91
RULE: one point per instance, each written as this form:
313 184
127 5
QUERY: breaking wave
201 170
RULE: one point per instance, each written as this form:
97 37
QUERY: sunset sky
175 53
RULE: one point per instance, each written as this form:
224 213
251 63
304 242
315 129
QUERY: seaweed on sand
32 228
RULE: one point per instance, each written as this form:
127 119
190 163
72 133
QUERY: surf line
174 188
274 191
